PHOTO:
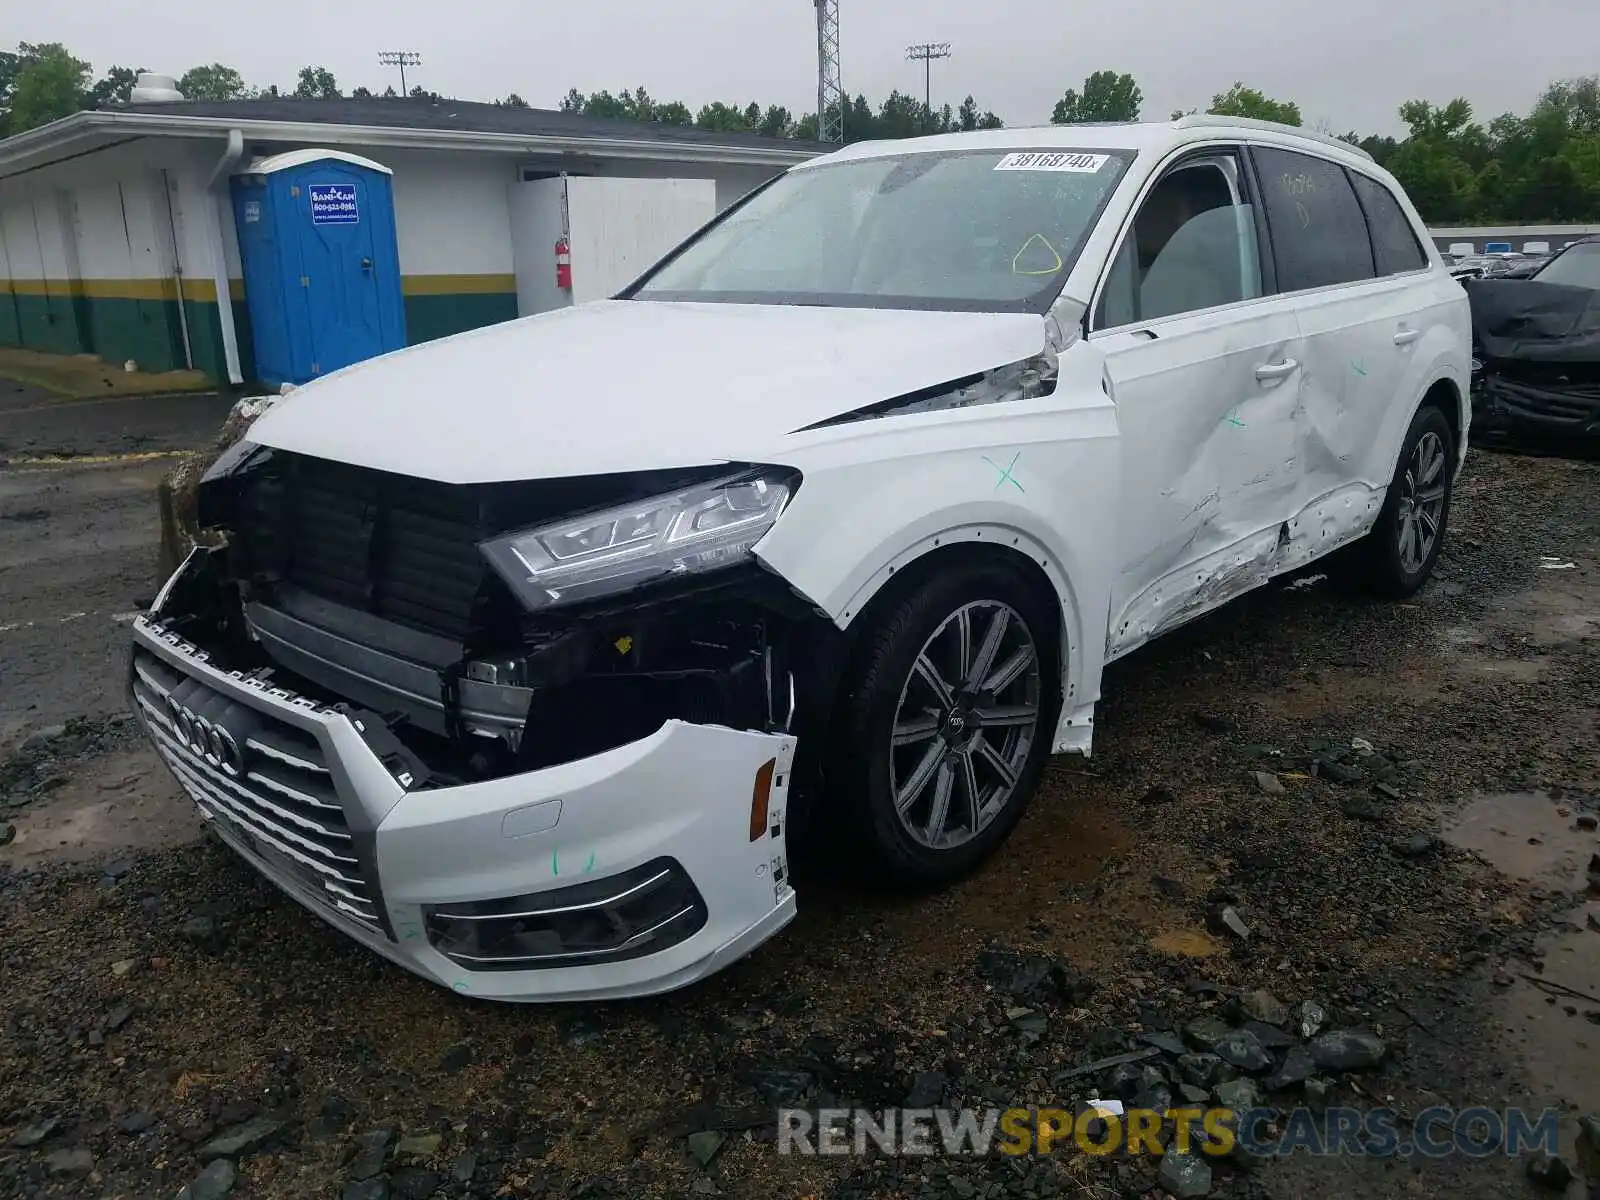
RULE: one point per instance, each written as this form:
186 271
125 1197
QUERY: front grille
266 780
403 549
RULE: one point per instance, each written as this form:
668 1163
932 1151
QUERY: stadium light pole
401 59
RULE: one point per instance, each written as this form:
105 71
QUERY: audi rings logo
206 738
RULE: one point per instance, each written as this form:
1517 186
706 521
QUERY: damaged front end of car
532 740
1536 362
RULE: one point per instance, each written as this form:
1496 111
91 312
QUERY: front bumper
302 792
1508 408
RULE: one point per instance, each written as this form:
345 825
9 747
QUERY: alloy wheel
967 717
1421 510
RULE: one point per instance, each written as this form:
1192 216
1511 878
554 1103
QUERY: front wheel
946 721
1398 555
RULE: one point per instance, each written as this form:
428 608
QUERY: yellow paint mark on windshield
1043 241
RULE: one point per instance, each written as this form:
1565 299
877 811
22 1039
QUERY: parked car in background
1527 268
527 651
1536 351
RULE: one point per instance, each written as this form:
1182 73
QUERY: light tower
925 53
401 59
830 91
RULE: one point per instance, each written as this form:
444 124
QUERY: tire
903 684
1397 556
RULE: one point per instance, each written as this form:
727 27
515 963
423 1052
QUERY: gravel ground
158 995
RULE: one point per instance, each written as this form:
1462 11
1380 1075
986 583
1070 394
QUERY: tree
1436 161
316 83
49 84
10 64
723 118
676 113
114 87
969 118
572 102
512 101
1107 96
361 93
1240 101
604 104
776 122
217 82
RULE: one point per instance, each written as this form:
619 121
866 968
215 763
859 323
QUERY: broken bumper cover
627 873
1507 406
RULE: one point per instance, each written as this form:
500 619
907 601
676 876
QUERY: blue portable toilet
321 263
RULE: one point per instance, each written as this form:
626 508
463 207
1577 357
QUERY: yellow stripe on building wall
205 290
457 285
199 290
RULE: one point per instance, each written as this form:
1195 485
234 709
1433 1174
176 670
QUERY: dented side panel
1372 350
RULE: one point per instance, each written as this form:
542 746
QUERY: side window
1319 236
1394 242
1192 246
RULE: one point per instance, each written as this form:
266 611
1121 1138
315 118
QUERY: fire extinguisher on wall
563 264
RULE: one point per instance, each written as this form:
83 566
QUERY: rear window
1394 243
1319 235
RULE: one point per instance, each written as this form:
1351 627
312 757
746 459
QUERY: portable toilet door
321 263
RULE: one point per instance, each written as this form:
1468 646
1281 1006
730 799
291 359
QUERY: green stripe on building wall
439 305
119 319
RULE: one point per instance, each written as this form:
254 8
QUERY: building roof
414 112
414 122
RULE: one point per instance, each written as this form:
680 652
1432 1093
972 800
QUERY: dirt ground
155 991
85 376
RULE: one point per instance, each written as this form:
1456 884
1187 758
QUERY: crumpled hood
624 385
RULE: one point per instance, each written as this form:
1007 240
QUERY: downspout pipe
221 209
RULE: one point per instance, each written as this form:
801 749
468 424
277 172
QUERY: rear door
1203 364
1359 326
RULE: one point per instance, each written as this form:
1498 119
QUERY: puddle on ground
1551 1020
1525 835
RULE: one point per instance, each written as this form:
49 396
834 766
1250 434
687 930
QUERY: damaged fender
1014 475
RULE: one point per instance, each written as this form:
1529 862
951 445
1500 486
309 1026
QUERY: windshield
1576 266
978 230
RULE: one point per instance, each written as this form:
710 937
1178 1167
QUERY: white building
117 231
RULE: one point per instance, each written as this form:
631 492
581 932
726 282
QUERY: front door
338 267
1204 369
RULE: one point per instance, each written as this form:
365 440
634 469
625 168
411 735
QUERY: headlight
683 533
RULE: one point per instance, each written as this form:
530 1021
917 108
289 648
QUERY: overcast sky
1348 63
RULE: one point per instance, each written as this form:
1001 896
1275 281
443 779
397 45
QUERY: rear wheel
946 722
1398 555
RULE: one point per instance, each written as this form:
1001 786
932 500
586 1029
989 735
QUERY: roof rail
1219 120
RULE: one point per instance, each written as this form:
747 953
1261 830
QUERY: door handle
1277 370
1406 336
